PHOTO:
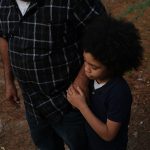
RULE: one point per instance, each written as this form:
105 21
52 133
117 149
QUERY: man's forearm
6 61
81 77
10 88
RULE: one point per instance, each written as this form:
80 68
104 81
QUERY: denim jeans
70 130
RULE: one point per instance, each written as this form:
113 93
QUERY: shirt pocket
50 28
42 37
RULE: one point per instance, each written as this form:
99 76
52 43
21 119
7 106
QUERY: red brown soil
14 133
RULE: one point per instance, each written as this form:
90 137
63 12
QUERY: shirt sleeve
119 104
1 33
84 10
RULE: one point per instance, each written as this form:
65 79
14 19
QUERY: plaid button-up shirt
44 48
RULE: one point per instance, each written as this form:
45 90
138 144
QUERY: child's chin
90 77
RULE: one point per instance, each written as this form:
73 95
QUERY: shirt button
93 93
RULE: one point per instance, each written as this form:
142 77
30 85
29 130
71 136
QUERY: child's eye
94 68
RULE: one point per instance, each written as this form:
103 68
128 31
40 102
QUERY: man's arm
82 81
81 13
11 91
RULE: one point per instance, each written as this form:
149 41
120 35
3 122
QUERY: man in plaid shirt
39 43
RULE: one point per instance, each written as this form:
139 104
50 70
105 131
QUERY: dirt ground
14 133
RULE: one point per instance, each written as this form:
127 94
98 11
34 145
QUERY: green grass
136 8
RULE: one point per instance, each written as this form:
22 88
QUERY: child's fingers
70 90
74 89
80 91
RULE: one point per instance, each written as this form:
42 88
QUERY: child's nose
87 68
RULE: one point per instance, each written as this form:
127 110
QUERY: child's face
94 69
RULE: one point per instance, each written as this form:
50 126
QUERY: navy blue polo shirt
112 101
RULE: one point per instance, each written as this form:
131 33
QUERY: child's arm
107 131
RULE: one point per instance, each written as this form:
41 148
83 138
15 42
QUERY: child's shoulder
118 82
119 85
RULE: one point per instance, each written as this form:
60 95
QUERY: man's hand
11 94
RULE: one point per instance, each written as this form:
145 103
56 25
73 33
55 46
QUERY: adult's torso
43 45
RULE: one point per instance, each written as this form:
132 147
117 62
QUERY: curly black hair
115 43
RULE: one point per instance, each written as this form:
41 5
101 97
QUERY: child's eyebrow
92 64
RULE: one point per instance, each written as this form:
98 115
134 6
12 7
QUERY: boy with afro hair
111 48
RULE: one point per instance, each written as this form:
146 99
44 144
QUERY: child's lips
88 75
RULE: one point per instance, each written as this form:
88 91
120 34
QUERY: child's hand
76 97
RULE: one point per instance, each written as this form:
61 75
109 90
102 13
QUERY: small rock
141 122
140 79
135 134
1 126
